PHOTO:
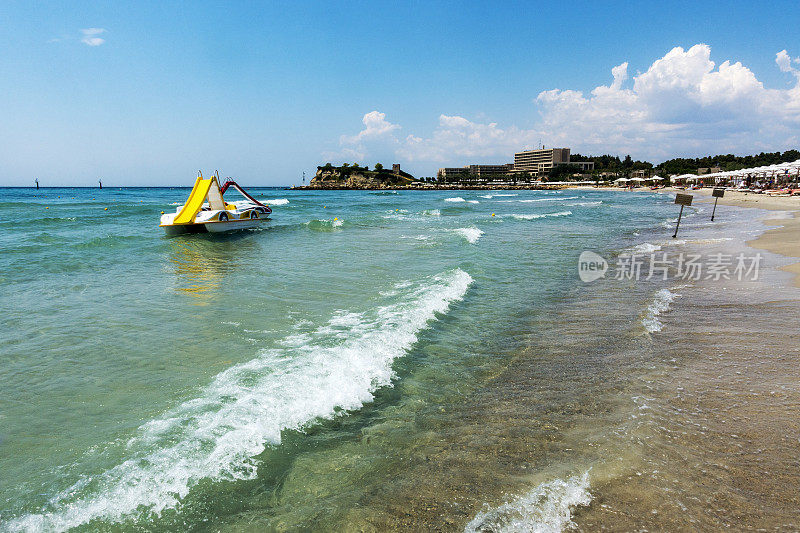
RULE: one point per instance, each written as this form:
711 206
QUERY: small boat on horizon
207 211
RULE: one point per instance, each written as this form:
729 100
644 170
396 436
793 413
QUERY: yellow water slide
195 201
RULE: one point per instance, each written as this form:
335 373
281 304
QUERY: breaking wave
470 234
547 508
585 204
324 224
276 201
542 215
533 200
219 435
490 196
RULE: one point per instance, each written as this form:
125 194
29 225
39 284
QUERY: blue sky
146 94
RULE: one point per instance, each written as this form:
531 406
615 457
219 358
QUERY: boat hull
233 225
172 230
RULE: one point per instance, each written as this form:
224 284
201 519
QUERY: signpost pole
682 200
717 193
678 224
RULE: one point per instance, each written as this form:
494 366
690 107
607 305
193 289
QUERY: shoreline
783 239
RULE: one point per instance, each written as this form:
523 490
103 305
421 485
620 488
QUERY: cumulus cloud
90 36
682 104
785 62
375 126
457 137
378 134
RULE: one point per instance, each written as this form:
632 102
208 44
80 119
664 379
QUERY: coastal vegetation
612 163
726 162
604 165
610 166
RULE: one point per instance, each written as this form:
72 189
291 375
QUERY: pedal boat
207 211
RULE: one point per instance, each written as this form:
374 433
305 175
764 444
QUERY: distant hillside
358 177
610 163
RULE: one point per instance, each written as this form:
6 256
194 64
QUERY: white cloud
378 133
375 126
90 36
785 62
458 138
683 104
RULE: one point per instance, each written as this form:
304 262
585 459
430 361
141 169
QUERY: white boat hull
233 225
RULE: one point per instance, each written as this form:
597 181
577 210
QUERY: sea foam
218 435
645 248
660 304
546 508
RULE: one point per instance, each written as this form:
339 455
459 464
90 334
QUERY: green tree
378 167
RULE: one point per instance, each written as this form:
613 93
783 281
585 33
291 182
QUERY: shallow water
363 361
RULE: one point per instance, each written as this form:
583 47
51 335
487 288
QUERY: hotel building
535 163
474 172
540 162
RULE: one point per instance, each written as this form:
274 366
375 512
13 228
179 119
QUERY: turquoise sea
367 360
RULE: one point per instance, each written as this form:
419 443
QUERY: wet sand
722 444
721 447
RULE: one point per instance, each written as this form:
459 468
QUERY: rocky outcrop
338 178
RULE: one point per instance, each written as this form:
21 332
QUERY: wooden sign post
681 200
717 193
